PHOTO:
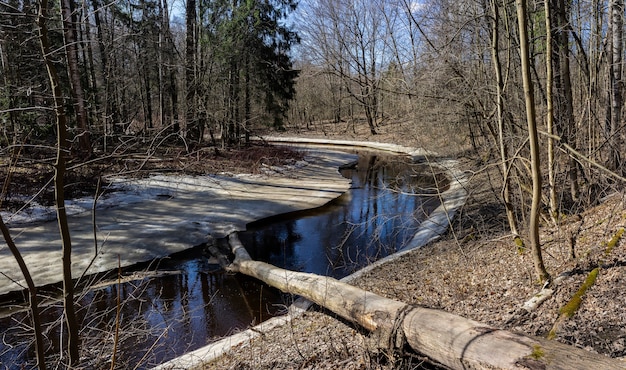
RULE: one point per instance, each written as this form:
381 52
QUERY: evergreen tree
252 43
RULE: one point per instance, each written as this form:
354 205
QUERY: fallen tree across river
447 339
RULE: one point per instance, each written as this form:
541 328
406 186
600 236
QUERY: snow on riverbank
124 191
160 215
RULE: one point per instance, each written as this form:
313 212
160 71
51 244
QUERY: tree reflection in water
388 200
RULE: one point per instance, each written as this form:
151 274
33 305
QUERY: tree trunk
33 300
617 24
107 102
448 339
85 36
540 270
247 106
567 111
190 72
71 41
171 88
504 156
59 184
550 115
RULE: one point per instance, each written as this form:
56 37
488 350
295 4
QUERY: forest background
533 89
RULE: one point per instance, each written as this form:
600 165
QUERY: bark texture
540 269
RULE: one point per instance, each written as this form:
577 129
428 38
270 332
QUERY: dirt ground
475 270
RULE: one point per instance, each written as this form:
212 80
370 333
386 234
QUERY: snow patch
124 191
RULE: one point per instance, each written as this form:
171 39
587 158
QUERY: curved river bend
186 301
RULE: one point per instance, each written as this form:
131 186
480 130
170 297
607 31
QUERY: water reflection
193 302
377 217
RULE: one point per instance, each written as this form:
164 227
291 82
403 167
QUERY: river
185 301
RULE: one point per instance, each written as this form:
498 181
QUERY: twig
93 217
117 313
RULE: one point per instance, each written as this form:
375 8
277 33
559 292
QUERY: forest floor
475 270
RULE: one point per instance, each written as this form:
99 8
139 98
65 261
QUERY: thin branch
582 157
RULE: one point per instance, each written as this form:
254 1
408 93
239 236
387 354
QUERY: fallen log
447 339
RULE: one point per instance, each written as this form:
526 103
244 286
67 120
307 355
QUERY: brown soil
475 270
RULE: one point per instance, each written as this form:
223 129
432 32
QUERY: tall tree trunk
8 77
567 111
504 156
247 115
171 69
148 123
615 78
90 66
104 67
550 114
190 72
59 184
540 270
235 83
71 51
174 101
145 56
163 28
232 104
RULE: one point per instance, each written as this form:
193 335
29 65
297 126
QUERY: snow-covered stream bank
162 215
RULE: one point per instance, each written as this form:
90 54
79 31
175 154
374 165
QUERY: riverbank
451 196
476 271
162 205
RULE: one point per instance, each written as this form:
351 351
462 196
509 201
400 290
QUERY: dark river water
193 302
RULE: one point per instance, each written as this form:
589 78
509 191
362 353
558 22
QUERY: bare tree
550 115
504 155
190 71
73 338
71 51
540 270
565 100
616 9
352 41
